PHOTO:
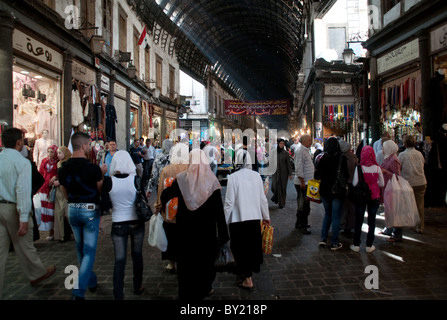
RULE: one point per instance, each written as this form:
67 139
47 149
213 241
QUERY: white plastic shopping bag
157 236
400 204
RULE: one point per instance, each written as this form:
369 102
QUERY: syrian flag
143 38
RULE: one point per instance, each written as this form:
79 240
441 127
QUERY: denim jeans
120 234
85 225
372 206
332 213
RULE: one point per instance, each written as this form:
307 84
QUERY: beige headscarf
198 182
389 148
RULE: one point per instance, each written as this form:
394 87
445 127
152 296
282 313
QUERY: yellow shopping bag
313 191
267 238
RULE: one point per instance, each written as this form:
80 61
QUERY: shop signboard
439 39
337 90
36 49
397 57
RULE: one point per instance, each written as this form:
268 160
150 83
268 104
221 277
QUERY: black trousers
303 208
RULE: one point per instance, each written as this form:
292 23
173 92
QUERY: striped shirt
15 181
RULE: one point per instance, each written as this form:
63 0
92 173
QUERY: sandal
240 285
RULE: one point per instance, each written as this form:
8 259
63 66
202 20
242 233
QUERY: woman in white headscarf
179 163
120 187
200 217
245 206
390 165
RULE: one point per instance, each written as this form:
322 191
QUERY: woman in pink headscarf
200 217
48 169
372 174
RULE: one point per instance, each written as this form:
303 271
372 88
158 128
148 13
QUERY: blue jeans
85 225
120 234
332 213
373 206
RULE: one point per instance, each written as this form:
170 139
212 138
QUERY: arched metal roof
254 46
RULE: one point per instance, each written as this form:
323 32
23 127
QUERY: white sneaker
370 249
355 248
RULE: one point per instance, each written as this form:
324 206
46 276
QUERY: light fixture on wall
131 70
96 44
348 56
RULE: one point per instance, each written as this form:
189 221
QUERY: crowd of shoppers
203 217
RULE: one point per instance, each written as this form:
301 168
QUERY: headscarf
67 155
345 146
332 147
278 148
318 146
180 154
368 157
198 182
243 160
389 148
122 162
55 159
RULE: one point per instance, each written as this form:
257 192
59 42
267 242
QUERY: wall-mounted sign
134 98
337 90
120 91
105 83
406 53
257 108
171 114
438 38
36 49
83 73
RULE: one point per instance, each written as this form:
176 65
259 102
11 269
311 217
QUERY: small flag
143 37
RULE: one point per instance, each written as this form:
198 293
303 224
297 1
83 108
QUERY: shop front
120 100
36 74
157 126
171 121
339 116
400 90
134 117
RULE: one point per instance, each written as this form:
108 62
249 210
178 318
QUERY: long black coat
200 232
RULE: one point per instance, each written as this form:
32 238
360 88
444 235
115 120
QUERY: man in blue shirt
137 153
109 155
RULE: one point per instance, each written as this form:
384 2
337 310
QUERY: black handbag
142 207
360 194
225 260
340 187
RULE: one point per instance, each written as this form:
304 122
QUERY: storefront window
36 109
133 124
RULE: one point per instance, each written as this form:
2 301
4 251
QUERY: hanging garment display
111 121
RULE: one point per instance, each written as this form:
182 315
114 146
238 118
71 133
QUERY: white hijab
389 148
122 163
198 182
180 154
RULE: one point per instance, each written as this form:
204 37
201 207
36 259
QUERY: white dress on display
41 150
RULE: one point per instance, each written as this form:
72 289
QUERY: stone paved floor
298 269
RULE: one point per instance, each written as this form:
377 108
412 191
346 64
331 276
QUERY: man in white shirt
16 224
304 171
377 146
245 207
148 161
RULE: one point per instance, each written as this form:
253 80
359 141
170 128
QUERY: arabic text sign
37 50
257 108
439 38
395 58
